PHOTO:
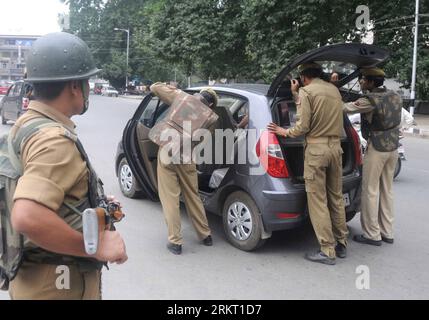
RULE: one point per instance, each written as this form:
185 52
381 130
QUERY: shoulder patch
68 134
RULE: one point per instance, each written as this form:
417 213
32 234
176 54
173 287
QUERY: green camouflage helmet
60 56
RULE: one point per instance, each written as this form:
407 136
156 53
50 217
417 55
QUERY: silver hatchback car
252 206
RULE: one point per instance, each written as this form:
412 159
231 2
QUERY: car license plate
346 198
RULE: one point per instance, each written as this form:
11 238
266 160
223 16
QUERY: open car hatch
354 55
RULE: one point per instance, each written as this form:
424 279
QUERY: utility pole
413 76
128 51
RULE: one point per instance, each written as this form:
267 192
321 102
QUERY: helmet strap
85 94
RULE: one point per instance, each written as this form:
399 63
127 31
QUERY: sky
30 17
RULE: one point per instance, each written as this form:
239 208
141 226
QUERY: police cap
372 72
309 65
214 97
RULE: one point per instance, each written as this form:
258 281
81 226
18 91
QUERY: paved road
276 271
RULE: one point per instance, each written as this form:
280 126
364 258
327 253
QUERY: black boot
341 250
208 241
174 248
320 257
362 239
387 240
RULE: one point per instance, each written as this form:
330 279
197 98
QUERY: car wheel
127 182
350 215
242 222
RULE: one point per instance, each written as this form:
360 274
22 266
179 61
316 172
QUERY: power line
387 20
401 27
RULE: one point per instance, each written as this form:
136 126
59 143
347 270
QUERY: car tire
350 215
239 208
127 181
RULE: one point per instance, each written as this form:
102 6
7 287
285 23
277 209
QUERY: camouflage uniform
46 156
56 170
174 179
379 161
321 120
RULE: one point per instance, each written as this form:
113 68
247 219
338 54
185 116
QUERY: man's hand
294 85
112 199
272 127
111 248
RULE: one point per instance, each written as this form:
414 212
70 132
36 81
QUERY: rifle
97 220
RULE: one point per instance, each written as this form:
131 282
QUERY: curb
417 132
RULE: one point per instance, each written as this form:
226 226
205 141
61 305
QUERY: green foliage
393 30
239 39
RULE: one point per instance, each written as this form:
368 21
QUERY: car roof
259 89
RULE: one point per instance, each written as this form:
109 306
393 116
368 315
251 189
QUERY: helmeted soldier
57 171
320 119
176 177
380 120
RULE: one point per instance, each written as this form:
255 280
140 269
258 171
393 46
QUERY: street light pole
128 52
413 76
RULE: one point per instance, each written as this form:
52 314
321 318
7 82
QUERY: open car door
140 152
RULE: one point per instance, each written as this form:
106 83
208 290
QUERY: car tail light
270 155
25 102
356 146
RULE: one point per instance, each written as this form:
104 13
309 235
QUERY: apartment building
13 52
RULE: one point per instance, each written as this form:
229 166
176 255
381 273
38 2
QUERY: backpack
12 242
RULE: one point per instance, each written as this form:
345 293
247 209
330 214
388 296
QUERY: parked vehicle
98 86
16 101
4 86
131 91
253 206
109 91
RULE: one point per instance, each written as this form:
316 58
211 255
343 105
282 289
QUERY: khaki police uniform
320 119
54 173
176 179
377 214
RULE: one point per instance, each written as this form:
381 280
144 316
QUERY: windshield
330 68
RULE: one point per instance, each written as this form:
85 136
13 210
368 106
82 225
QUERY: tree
203 37
278 30
393 29
244 39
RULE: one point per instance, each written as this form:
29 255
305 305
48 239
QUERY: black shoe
388 240
362 239
341 250
174 248
208 241
320 257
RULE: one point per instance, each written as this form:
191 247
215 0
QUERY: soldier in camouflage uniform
174 179
380 119
55 172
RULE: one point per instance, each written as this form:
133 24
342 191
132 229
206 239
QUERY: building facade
13 53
